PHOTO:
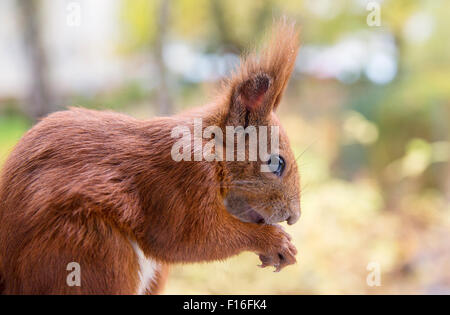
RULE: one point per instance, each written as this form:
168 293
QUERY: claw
262 266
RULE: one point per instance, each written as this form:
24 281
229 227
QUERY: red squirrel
102 189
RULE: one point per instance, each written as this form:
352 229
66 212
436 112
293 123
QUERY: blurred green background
368 109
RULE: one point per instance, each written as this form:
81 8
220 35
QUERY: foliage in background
374 156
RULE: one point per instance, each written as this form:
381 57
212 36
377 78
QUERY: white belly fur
147 269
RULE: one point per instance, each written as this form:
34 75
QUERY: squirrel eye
276 164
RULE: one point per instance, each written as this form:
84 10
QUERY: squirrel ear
252 92
256 87
251 100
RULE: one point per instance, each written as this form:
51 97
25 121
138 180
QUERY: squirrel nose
293 218
295 214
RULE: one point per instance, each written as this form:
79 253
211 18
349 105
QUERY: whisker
239 187
246 211
307 148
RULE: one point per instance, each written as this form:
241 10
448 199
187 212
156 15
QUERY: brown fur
81 184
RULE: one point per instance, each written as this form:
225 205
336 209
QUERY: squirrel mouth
243 211
255 217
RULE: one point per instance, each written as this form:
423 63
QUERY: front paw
279 251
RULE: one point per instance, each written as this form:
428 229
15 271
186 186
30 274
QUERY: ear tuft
252 91
255 88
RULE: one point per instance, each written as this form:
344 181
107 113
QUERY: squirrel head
264 189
